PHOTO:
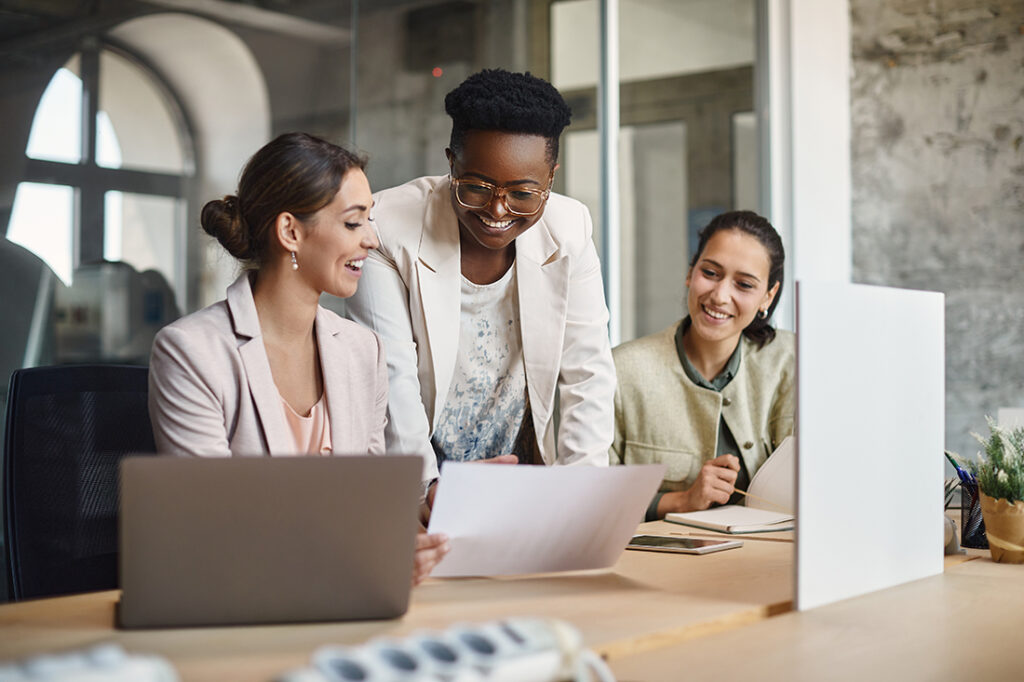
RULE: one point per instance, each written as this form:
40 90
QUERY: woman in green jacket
713 395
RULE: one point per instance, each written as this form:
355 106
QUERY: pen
965 476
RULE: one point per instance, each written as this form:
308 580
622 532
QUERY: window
687 135
109 159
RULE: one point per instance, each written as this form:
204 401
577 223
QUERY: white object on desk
870 432
508 520
511 650
773 485
101 663
733 518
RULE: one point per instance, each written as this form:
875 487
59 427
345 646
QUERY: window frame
91 182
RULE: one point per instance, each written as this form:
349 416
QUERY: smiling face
506 160
728 286
338 238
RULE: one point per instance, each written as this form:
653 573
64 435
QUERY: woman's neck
484 266
286 306
708 357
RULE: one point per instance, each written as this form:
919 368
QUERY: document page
773 486
507 519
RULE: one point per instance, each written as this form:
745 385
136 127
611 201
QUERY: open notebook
732 518
769 502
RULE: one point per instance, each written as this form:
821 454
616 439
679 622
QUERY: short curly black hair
495 99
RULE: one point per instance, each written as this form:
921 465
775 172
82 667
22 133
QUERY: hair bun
222 219
293 173
230 202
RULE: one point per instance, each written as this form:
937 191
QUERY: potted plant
1000 473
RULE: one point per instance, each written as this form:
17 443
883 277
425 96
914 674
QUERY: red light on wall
437 72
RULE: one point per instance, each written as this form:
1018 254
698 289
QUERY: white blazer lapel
438 271
542 273
257 368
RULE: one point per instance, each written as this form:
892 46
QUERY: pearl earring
295 263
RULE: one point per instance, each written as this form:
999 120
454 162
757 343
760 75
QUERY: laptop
246 540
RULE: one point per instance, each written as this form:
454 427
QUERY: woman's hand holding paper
430 549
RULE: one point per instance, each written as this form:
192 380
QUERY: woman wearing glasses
487 292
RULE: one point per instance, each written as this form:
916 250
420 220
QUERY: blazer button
726 402
748 445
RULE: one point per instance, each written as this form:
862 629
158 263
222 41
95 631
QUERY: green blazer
662 416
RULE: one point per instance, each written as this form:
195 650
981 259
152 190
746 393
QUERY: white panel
870 429
820 82
608 132
806 44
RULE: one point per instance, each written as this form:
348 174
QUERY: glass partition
374 75
688 136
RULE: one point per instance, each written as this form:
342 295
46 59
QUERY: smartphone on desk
680 545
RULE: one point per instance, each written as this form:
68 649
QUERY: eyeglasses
476 194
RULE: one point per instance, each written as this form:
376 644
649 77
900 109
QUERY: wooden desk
648 600
966 624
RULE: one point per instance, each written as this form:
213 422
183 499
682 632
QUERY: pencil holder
972 525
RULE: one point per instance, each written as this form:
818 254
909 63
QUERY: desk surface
646 601
967 623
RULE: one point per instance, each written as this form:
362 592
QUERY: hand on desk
430 549
714 485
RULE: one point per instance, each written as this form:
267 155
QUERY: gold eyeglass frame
500 193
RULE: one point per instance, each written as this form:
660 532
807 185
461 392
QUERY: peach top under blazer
211 391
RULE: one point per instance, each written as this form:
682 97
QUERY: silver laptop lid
262 540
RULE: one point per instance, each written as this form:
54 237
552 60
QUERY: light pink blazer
211 392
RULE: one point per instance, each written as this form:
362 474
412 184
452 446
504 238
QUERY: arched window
109 162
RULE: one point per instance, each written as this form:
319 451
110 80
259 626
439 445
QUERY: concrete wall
937 107
401 119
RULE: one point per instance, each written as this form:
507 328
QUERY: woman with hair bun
267 370
713 395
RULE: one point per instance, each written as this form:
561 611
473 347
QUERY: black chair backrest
68 427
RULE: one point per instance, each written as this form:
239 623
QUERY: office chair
26 308
68 427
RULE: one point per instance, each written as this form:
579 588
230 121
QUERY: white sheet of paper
507 519
773 487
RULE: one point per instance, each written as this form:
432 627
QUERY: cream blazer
662 416
410 294
211 391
